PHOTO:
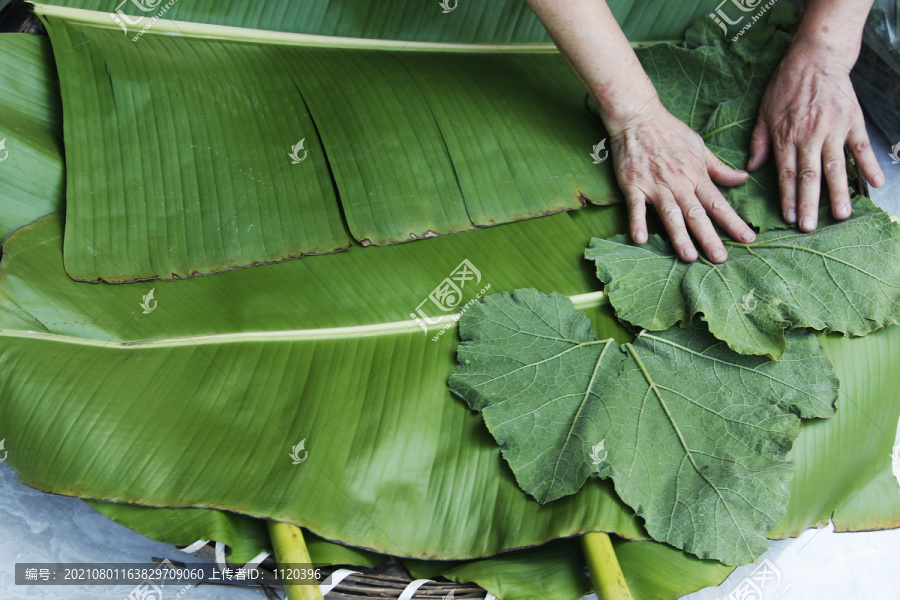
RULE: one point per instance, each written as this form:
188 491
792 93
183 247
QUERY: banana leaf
422 144
857 500
245 537
31 152
556 571
232 366
494 22
383 434
553 571
190 163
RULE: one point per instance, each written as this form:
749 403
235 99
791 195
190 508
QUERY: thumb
759 145
722 173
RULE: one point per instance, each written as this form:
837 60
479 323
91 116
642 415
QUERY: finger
836 176
865 157
673 220
699 224
636 201
810 185
722 173
723 214
786 159
759 145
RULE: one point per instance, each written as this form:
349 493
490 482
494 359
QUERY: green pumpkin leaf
844 277
695 434
716 88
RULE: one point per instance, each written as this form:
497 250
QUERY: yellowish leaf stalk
290 549
606 574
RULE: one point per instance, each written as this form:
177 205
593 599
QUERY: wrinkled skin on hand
808 113
659 160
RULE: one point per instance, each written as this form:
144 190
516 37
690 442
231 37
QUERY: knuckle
669 211
809 175
787 175
833 166
860 147
695 211
718 204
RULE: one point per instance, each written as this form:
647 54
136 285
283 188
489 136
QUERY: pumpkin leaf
716 87
696 434
844 277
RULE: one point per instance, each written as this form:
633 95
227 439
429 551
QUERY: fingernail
843 211
719 254
749 237
807 224
879 179
790 216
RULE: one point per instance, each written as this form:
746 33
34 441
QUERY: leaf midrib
652 384
581 301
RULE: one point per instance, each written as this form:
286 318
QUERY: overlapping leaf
420 141
844 277
234 370
720 86
31 164
495 22
696 435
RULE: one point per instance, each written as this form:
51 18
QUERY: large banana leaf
843 464
861 501
553 571
494 22
140 393
428 141
31 160
186 167
244 536
556 571
117 389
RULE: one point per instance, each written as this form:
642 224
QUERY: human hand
808 113
659 160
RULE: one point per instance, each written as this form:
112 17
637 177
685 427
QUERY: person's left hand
808 113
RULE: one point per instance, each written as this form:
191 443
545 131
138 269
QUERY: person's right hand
659 160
